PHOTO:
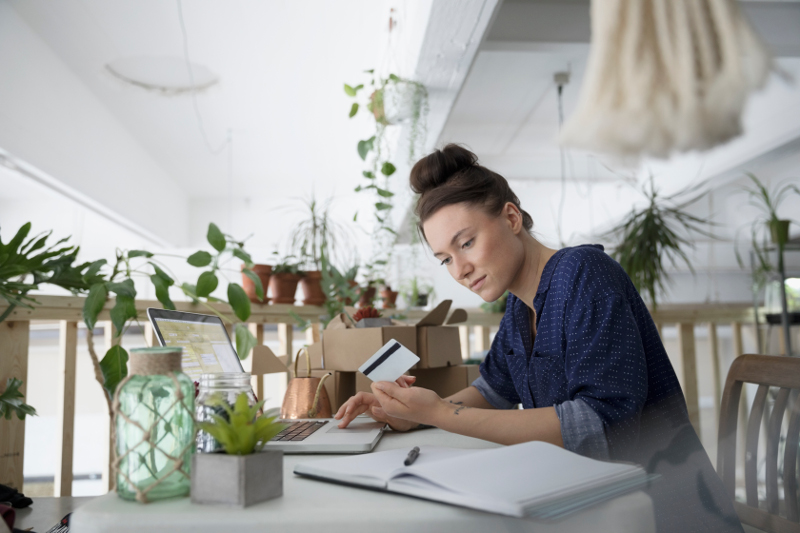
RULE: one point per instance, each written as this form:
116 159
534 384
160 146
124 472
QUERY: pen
412 456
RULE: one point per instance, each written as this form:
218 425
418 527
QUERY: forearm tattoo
460 407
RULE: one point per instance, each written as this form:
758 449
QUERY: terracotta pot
283 287
366 296
263 272
389 298
311 283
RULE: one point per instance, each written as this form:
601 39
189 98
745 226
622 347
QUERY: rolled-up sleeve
582 429
496 401
606 366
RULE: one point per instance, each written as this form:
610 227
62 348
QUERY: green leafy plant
415 290
242 432
26 263
376 152
12 401
650 236
129 264
338 290
767 230
288 264
316 234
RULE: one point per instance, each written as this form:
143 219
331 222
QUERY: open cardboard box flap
342 320
266 362
438 316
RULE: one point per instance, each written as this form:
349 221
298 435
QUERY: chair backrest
766 371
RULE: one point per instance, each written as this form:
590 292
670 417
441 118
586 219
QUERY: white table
309 505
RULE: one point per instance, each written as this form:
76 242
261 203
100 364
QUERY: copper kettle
306 397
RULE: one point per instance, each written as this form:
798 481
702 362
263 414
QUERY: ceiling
281 66
508 113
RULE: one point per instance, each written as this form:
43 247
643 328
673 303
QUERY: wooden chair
766 371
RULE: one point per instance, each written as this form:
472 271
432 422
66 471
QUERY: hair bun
435 169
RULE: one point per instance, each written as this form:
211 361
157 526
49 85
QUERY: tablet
206 346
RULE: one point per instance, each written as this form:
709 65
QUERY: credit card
389 363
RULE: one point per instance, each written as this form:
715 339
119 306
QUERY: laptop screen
206 346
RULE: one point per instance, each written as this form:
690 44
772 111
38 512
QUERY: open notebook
532 479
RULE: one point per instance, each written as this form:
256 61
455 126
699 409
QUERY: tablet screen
206 346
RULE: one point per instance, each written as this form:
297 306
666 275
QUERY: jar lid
157 360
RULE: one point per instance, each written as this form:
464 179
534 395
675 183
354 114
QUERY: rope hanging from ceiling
665 76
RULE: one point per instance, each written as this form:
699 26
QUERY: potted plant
391 100
54 265
255 288
768 233
372 280
417 293
389 297
315 235
767 230
284 279
244 474
647 236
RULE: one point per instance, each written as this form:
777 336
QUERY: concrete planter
236 480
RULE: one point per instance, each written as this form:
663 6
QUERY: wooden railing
67 311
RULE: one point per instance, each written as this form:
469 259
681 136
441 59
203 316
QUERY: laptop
207 349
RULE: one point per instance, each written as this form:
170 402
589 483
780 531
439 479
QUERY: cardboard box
340 386
446 381
363 383
345 348
438 342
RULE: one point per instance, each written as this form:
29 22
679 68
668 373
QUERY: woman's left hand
415 404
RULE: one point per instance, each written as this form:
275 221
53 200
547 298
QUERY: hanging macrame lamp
665 76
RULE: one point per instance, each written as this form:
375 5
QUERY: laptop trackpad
355 427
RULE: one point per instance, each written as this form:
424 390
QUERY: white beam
455 31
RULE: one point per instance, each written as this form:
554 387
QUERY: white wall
49 119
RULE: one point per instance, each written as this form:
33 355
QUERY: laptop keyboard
298 431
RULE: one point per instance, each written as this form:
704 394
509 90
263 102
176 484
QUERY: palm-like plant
653 238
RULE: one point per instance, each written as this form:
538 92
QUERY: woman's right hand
365 402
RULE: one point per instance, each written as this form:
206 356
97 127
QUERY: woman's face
481 252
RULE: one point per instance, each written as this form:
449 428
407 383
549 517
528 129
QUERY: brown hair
452 175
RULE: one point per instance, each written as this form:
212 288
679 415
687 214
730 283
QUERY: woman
576 347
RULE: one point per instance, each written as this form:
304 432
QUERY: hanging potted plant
284 279
392 100
649 235
768 230
315 235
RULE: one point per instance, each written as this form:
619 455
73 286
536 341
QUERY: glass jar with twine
153 415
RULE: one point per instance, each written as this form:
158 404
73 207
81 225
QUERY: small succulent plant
366 312
243 432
